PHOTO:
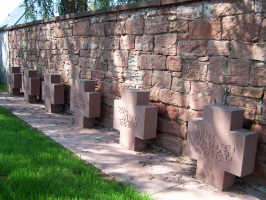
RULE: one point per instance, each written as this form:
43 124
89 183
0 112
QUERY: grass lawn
3 87
34 167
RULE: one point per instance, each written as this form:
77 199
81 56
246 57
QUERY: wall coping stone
114 9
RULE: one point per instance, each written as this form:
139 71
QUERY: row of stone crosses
222 148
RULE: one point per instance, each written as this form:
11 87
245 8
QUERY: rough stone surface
158 173
165 44
135 119
205 30
222 148
247 30
218 43
174 63
161 79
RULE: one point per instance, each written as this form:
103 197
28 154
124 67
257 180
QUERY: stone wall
187 53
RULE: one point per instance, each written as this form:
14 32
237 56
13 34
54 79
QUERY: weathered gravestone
53 93
221 147
15 81
135 119
90 103
31 86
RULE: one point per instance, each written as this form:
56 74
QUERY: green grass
3 87
33 167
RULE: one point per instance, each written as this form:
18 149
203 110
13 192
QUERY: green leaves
37 9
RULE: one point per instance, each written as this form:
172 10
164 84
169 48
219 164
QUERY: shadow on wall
3 56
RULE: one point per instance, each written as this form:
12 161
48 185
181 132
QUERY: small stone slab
90 103
135 118
31 86
53 93
15 81
222 148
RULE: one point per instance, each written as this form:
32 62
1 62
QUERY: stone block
170 142
81 28
221 147
194 71
15 81
135 119
249 50
134 26
31 86
251 92
119 58
218 48
156 24
157 62
218 9
217 69
166 44
53 93
258 75
203 93
144 43
205 30
173 98
89 103
242 102
192 48
190 12
241 27
170 126
174 63
238 72
161 79
92 104
179 85
127 42
96 30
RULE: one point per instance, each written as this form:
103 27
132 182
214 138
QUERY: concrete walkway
159 173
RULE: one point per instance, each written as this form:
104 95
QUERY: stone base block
87 122
32 98
14 91
54 108
130 142
211 174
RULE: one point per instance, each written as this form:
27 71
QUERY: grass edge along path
34 167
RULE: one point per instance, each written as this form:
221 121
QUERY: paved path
159 173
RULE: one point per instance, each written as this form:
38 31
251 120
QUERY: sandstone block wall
187 53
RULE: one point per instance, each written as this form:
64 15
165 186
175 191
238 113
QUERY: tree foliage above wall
35 9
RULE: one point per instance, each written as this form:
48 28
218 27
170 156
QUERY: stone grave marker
15 81
222 148
135 119
53 93
90 103
31 86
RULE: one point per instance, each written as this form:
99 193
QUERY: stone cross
222 148
31 86
53 93
90 103
15 80
135 119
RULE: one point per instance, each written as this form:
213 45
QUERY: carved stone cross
53 93
90 103
31 86
15 80
222 148
135 118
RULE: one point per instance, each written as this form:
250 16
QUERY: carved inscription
207 144
126 119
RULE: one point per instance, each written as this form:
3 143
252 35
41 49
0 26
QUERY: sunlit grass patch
34 167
